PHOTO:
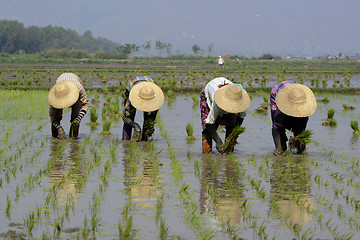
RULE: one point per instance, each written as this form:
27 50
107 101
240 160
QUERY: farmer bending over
221 103
291 105
67 92
142 94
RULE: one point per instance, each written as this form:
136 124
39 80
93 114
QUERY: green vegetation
355 127
190 132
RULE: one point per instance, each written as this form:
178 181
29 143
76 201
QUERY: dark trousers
148 126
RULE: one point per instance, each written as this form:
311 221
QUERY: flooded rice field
102 187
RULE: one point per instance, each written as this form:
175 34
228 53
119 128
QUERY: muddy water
89 187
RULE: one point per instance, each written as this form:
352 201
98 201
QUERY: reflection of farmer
67 92
220 61
220 103
291 105
142 94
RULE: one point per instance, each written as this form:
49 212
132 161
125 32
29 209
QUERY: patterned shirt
128 108
281 120
82 93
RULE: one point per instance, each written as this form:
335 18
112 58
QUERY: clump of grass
93 117
330 121
230 141
106 127
190 131
355 126
324 100
347 107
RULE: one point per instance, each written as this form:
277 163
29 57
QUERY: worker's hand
61 133
75 122
136 135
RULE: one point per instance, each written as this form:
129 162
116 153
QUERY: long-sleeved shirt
128 108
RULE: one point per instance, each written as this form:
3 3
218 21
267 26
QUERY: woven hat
232 98
63 94
296 100
146 96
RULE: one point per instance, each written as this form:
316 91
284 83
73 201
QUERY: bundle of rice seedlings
330 121
330 113
264 106
149 125
106 127
355 126
195 98
324 100
93 117
190 130
347 107
230 141
299 142
170 93
95 100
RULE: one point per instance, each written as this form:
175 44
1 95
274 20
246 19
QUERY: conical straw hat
232 98
63 94
146 96
296 100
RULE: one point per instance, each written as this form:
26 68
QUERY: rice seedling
324 100
347 107
195 98
170 94
106 127
330 121
355 127
190 131
93 117
264 106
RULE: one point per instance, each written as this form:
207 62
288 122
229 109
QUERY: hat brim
66 101
229 105
146 105
302 109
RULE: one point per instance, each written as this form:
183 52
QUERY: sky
234 27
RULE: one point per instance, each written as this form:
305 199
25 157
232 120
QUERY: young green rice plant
106 127
330 121
190 131
355 127
93 117
324 100
170 94
264 106
95 100
347 107
195 98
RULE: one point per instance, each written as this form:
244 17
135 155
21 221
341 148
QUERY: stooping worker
221 103
68 91
291 105
143 94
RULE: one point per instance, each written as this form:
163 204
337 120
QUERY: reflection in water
221 188
290 177
65 169
354 141
141 174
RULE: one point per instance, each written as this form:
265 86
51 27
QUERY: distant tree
210 48
147 47
161 46
127 49
267 56
168 49
196 49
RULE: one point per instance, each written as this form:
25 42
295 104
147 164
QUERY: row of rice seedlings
191 205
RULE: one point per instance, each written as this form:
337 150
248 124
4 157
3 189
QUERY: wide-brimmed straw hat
146 96
296 100
232 98
63 94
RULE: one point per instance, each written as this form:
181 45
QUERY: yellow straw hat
63 94
146 96
232 98
296 100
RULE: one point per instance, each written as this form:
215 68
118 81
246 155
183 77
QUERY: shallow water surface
103 187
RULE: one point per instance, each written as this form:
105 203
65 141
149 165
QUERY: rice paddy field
99 186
